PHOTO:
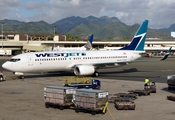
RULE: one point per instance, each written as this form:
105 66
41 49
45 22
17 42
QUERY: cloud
160 13
7 6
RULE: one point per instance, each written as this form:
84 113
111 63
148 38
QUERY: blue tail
89 42
138 41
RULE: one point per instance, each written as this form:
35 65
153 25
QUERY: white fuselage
66 60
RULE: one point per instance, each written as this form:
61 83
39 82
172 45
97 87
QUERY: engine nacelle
84 70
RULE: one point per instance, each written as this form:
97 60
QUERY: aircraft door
30 61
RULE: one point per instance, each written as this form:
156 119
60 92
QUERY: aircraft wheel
47 105
21 77
93 112
95 74
1 79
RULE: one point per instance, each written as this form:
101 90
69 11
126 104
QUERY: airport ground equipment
139 92
115 98
81 82
57 96
172 97
123 104
127 95
151 86
171 81
2 78
91 100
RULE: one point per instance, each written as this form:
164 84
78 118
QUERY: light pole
2 33
54 35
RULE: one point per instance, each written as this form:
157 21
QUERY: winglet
167 54
89 42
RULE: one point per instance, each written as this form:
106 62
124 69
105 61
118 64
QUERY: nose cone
6 65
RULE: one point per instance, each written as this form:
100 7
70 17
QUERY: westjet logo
60 54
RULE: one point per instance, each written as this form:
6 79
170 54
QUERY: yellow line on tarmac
110 113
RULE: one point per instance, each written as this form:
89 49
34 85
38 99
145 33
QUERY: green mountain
171 28
102 28
30 27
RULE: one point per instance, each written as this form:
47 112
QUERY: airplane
87 46
81 62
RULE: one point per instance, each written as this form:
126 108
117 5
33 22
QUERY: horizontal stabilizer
167 54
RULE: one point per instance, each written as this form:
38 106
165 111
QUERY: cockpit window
14 59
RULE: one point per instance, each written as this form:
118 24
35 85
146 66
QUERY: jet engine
84 70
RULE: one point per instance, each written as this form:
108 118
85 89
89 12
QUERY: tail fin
89 42
138 41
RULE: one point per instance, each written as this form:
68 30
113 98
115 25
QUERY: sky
160 13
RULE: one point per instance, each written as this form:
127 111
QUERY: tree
76 37
110 38
69 36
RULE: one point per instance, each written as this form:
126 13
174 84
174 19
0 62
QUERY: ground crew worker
87 81
146 81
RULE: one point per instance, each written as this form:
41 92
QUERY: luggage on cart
127 95
140 92
151 87
124 105
172 97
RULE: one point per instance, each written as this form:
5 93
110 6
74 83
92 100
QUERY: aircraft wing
120 63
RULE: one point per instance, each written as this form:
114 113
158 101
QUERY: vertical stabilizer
89 42
138 41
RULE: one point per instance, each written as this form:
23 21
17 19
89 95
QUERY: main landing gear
96 74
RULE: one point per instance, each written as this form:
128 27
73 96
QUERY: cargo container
90 100
58 96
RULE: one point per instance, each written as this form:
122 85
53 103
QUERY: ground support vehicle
140 92
171 87
124 104
2 78
94 101
151 86
172 97
81 82
95 84
171 82
126 95
57 96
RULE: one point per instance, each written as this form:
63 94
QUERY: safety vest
146 81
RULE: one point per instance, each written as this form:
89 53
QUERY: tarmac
23 98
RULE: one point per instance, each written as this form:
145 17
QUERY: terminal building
15 43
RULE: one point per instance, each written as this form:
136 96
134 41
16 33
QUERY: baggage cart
124 104
91 100
113 99
57 96
129 95
172 97
151 86
140 92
